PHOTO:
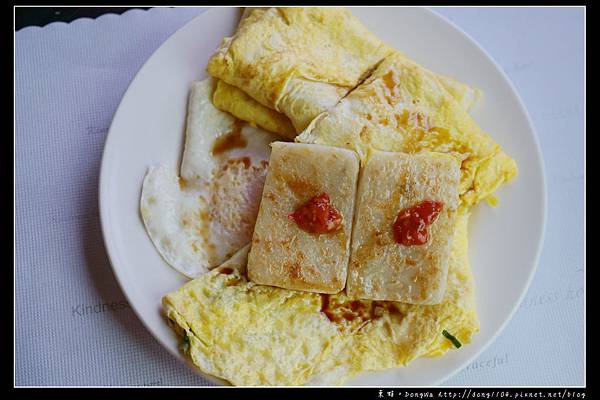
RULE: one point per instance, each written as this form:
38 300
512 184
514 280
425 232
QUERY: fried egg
251 334
199 218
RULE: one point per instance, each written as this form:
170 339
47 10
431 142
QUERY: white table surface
73 325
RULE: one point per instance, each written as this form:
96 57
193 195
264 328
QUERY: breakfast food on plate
199 219
251 334
302 235
403 107
344 252
405 215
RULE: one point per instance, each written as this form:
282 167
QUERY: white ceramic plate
148 128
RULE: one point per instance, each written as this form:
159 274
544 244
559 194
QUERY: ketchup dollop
317 215
410 226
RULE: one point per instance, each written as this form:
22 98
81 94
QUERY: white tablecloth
73 324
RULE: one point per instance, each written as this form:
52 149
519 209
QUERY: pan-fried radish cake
302 235
405 218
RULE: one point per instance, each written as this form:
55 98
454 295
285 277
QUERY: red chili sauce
317 215
410 226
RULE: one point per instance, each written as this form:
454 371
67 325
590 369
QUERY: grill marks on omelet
250 334
352 315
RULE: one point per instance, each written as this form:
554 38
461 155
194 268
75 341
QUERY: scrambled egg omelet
251 334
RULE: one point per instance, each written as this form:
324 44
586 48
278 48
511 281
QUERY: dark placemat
40 16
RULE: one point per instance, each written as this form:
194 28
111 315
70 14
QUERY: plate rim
105 212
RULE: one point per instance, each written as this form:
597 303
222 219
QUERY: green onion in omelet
451 338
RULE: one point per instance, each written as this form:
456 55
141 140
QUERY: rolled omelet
297 61
287 80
